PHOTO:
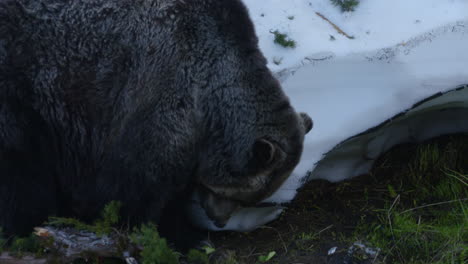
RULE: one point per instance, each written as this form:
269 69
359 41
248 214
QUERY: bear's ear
263 152
306 122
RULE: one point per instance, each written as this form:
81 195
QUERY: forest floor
411 208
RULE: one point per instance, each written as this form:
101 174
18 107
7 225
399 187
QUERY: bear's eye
264 152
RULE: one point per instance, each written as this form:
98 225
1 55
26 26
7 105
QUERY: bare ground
325 215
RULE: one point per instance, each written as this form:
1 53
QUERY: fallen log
67 244
6 258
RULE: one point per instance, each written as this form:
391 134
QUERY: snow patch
374 24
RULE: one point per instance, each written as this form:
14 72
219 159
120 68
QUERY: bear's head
274 155
251 138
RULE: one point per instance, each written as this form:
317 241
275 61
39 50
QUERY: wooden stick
334 26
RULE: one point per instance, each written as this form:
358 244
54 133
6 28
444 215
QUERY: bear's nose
306 122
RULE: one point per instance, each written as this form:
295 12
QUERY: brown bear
140 101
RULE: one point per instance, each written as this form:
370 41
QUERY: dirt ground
323 216
315 222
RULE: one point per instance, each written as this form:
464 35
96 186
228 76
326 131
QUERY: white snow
374 24
402 53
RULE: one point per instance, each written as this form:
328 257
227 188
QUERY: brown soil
318 219
322 216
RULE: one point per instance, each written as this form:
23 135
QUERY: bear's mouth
220 203
217 207
220 209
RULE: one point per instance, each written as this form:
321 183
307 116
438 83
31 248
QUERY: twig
389 213
334 26
251 252
375 258
280 237
454 174
323 230
434 204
